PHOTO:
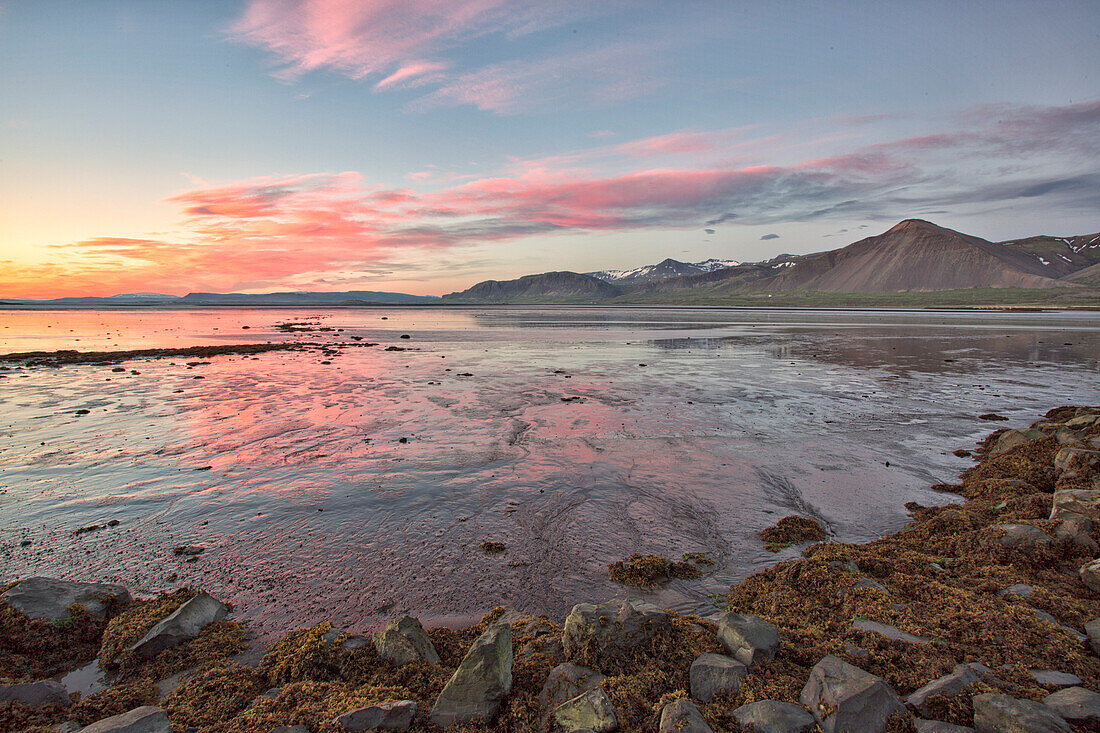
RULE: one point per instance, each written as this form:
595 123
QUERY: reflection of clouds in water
559 445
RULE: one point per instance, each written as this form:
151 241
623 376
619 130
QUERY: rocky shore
981 615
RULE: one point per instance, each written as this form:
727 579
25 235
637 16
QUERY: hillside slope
914 255
547 286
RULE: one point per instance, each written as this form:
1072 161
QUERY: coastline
992 582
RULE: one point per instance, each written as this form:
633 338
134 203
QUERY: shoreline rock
478 687
824 629
49 598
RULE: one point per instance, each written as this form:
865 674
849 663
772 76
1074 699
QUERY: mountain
110 301
349 297
1061 256
914 255
141 297
662 270
549 286
712 264
1089 276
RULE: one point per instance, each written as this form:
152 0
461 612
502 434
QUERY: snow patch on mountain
660 271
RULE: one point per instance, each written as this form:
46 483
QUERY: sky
421 147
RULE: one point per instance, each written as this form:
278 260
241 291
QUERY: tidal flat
357 477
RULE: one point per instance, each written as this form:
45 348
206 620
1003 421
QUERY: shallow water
685 430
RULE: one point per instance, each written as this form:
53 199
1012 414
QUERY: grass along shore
994 601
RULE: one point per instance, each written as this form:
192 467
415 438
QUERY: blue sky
423 146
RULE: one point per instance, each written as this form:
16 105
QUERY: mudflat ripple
362 487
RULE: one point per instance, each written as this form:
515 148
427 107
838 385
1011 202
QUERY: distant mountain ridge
303 298
665 269
913 256
558 286
348 297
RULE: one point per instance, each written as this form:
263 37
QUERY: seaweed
33 649
217 642
941 578
128 627
790 531
649 571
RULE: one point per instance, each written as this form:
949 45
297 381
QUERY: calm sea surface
359 489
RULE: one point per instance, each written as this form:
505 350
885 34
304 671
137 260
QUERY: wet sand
540 429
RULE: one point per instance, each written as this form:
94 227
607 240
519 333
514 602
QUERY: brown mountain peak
909 225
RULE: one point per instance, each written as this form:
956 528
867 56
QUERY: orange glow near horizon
336 232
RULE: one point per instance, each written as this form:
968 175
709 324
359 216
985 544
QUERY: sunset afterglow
420 147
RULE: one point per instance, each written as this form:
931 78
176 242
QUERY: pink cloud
360 38
404 42
678 143
290 229
596 76
414 73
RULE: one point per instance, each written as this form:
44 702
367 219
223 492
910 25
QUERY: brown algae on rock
791 530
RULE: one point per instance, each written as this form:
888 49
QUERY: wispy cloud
414 73
413 43
594 77
246 234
